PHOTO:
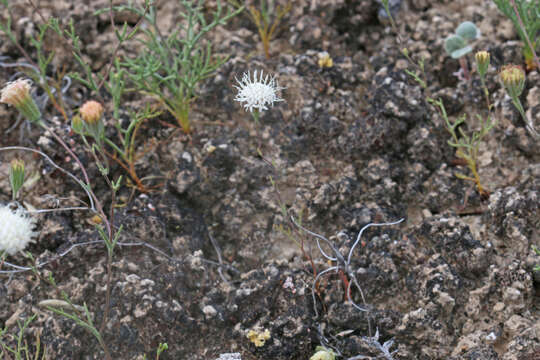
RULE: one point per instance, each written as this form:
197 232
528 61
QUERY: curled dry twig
342 264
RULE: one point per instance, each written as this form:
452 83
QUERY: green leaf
453 44
461 52
468 31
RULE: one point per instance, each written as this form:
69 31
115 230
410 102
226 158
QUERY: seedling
457 45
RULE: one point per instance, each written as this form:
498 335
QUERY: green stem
256 116
529 125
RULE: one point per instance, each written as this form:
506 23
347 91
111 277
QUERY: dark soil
352 144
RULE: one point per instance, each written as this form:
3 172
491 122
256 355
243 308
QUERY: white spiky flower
16 229
258 93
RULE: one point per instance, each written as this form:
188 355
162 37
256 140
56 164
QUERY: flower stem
256 115
529 124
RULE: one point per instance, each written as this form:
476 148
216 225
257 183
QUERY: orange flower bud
91 112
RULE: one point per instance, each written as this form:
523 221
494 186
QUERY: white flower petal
16 229
257 93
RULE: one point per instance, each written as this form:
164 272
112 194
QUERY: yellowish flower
325 61
482 62
258 338
513 79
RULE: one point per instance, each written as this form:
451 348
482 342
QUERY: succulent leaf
461 52
468 31
454 45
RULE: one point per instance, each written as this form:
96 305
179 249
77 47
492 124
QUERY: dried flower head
17 93
91 112
257 93
16 229
513 79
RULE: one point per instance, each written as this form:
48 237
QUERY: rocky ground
351 144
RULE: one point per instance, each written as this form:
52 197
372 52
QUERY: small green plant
267 18
21 351
525 15
457 45
65 307
466 145
170 67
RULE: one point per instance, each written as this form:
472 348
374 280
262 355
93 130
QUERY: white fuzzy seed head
258 93
16 229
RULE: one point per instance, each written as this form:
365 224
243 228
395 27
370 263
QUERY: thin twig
342 265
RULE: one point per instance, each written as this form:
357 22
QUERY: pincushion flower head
16 229
257 93
91 113
17 93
